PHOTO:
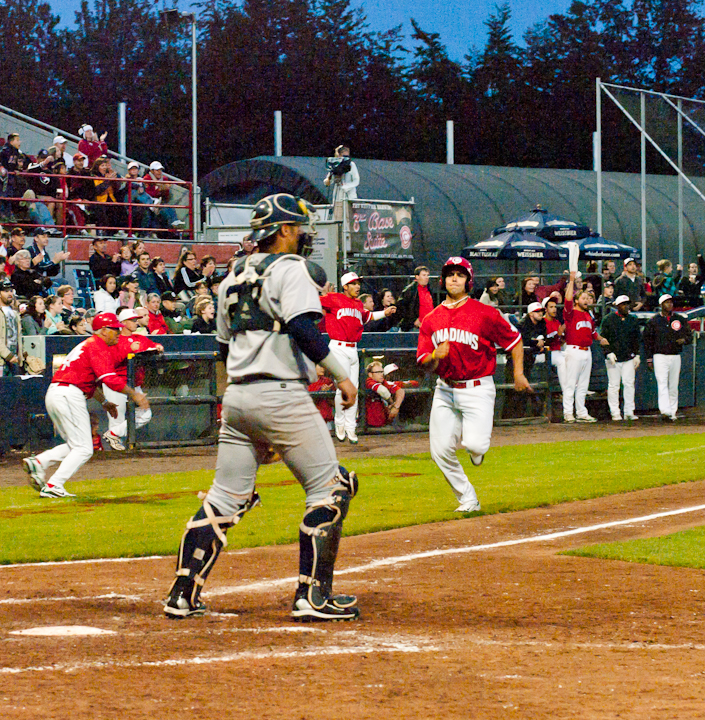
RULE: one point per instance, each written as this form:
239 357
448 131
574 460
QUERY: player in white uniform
267 312
457 340
87 367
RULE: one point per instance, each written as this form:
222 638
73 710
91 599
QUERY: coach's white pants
348 358
118 425
558 362
66 406
578 364
667 369
461 416
625 373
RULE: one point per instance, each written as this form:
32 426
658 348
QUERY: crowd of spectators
94 193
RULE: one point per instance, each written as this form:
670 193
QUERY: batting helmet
273 211
454 263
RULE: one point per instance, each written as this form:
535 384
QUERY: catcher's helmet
273 211
454 263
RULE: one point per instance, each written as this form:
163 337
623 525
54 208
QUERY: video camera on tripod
338 166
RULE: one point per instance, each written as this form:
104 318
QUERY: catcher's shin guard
319 537
200 546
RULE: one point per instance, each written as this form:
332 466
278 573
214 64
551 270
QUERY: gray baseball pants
280 415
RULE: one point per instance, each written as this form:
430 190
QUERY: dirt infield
476 618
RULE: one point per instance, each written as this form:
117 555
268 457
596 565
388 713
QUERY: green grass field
682 549
146 515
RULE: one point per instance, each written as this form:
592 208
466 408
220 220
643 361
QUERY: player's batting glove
611 359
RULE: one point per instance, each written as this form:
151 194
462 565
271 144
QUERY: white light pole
174 16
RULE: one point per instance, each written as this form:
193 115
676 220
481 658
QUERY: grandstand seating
85 286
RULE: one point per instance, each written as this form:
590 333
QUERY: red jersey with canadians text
555 341
580 327
473 330
344 317
88 365
130 345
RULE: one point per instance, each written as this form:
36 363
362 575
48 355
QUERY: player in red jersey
457 340
128 344
86 367
345 317
554 337
580 331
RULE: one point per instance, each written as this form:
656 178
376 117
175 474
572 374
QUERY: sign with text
380 230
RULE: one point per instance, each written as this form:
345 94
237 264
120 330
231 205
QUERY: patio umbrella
515 246
550 227
595 247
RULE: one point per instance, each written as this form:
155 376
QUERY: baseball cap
547 300
40 231
628 260
348 278
132 164
59 139
156 165
80 156
127 314
168 295
6 284
106 319
622 299
390 368
665 297
535 307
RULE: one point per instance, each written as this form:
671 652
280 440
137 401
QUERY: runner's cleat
37 476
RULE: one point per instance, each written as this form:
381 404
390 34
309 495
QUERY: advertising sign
380 230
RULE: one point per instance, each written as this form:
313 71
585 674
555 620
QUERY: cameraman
342 172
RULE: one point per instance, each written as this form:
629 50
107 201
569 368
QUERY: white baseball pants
461 416
578 364
348 358
66 405
667 369
558 362
118 425
624 373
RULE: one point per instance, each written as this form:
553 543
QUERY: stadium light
172 18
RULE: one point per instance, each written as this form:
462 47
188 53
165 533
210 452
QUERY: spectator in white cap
160 192
345 317
91 145
621 357
384 397
133 191
60 145
632 284
664 337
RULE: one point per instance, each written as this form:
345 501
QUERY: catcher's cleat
329 611
33 468
179 607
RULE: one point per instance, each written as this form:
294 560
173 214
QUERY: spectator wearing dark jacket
9 156
631 284
186 276
42 262
102 264
26 281
415 301
692 282
158 267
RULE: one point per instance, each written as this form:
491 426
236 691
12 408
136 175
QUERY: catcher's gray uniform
266 403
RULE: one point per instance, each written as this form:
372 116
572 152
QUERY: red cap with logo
106 319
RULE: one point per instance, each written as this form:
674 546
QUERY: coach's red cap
106 319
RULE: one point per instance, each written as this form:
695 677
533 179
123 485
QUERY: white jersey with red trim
345 317
473 330
88 365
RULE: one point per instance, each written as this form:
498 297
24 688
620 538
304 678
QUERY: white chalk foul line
683 450
249 655
107 596
400 559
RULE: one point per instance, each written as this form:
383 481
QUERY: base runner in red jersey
580 331
457 340
87 367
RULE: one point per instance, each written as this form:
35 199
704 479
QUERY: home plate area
481 617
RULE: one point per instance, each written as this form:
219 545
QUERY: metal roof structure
459 205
